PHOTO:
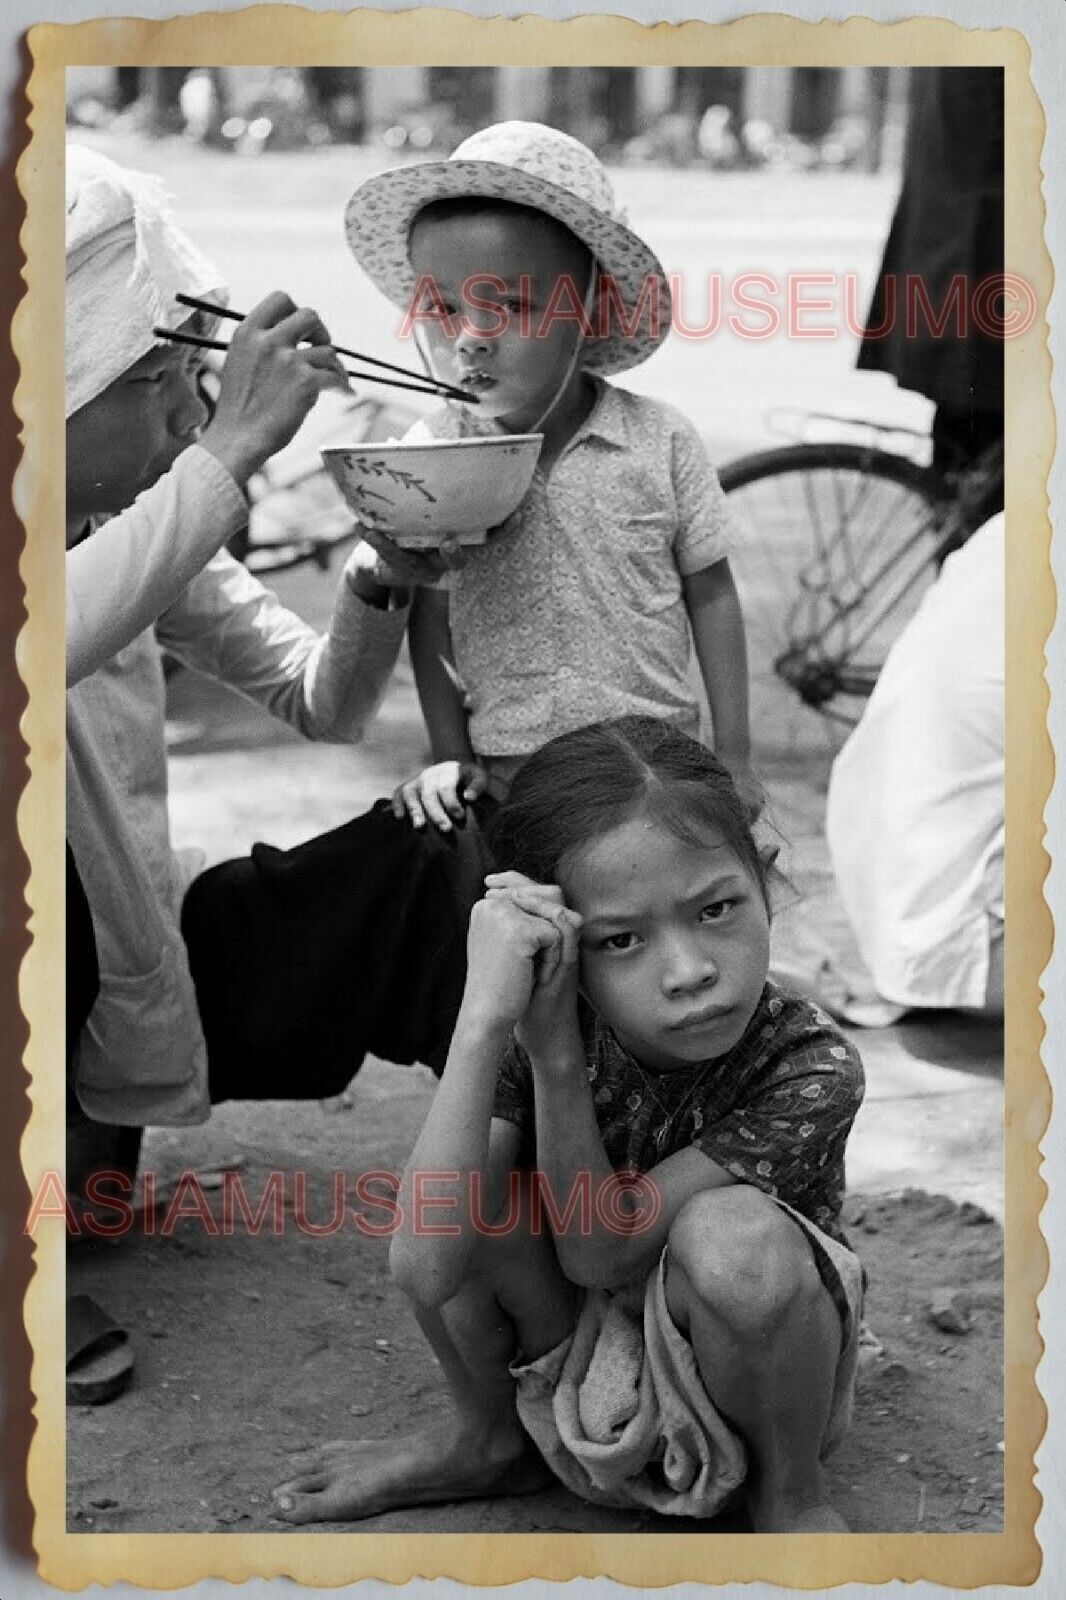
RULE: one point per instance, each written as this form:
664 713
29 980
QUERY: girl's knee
741 1258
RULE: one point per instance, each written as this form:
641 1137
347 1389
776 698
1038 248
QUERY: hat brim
378 218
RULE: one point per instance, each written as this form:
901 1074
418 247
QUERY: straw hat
529 164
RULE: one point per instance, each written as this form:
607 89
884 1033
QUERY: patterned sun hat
532 165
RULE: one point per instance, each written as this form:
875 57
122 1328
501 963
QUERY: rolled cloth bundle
126 262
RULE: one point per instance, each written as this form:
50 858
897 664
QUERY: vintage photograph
535 799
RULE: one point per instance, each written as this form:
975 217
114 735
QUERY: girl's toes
295 1507
301 1499
317 1497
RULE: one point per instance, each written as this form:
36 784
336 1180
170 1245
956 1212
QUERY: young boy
513 261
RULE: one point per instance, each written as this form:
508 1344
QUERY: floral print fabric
775 1111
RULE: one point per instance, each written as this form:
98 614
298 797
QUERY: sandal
99 1354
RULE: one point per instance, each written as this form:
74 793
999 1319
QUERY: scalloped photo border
287 35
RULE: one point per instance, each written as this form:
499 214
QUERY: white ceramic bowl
420 493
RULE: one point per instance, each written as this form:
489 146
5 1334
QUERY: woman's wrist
368 587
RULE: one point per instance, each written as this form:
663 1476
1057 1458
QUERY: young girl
660 1341
526 288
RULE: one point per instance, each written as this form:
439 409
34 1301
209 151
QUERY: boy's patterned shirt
775 1111
573 610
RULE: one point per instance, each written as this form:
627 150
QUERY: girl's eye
716 910
620 941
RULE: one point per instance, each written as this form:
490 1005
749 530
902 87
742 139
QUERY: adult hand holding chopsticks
279 361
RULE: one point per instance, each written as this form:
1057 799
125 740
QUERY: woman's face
675 941
123 441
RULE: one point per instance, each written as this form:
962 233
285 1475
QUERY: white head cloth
126 261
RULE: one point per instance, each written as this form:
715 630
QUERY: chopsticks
423 383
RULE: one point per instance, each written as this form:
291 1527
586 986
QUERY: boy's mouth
477 382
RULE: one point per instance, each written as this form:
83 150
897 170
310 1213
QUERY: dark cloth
91 1146
83 967
948 221
307 959
775 1111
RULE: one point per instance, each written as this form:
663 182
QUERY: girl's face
123 441
509 348
675 941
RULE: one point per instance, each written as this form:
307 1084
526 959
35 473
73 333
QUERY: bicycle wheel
835 546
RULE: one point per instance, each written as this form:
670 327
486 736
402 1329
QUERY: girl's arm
623 1231
460 1145
440 791
718 634
614 1232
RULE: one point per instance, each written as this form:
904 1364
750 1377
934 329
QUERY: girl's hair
583 784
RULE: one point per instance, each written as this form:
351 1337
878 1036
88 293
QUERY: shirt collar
606 421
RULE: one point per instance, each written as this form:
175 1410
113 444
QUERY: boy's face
123 441
496 276
675 941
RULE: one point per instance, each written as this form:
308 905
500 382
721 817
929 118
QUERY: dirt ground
249 1348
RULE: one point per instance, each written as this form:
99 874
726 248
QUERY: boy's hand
519 961
268 383
440 794
547 1030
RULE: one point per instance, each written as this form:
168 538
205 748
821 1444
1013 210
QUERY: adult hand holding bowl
425 495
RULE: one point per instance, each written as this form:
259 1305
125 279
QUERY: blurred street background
725 171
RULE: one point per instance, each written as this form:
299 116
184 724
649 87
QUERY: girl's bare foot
356 1478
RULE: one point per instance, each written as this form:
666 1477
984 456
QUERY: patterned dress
775 1111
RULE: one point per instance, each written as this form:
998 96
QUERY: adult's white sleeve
132 567
327 686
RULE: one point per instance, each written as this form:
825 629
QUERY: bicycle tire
835 544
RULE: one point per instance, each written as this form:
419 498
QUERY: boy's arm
440 792
718 635
430 642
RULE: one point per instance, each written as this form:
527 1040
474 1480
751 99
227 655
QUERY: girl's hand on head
440 794
279 361
548 1031
507 948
